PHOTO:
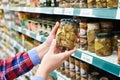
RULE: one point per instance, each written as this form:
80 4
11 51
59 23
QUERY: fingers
67 53
53 46
55 28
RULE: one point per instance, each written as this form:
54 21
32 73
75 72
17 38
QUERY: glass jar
67 70
118 51
106 26
91 3
94 76
103 45
112 3
83 4
72 68
77 69
93 29
101 3
104 78
84 70
67 33
83 43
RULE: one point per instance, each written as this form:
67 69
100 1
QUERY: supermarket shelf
108 13
58 76
108 64
29 33
13 43
7 50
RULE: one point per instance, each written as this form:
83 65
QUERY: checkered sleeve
16 66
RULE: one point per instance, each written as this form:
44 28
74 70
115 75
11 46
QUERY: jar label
98 46
72 66
66 64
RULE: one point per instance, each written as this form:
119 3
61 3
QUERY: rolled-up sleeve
34 56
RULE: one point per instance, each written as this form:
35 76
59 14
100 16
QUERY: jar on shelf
84 70
106 26
83 4
67 34
103 46
101 3
93 29
72 68
67 69
83 28
104 78
91 3
94 76
118 44
83 43
112 3
77 69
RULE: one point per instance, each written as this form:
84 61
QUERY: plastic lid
102 35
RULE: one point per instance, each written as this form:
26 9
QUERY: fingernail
57 23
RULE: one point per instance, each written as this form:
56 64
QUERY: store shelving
57 75
7 50
108 64
13 43
108 13
29 33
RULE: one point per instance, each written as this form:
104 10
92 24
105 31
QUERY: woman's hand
43 48
51 60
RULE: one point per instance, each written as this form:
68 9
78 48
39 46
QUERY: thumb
53 46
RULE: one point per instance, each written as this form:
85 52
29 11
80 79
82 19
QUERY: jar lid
104 78
102 35
70 20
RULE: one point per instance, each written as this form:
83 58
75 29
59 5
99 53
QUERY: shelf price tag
86 12
68 11
58 10
59 77
87 58
38 38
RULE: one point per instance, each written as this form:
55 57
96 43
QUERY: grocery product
118 51
101 3
77 69
103 45
83 4
83 43
112 3
94 76
104 78
67 33
72 68
67 70
91 3
93 29
84 70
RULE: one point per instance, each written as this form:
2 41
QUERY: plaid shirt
13 67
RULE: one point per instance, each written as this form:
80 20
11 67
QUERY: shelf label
32 35
59 77
86 12
68 11
118 14
119 74
58 10
38 38
87 58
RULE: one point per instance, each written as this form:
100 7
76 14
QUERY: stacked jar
93 29
83 35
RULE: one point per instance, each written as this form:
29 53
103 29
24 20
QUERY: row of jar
78 70
64 3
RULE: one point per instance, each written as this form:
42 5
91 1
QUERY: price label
38 38
86 12
58 10
59 77
118 14
68 11
87 58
